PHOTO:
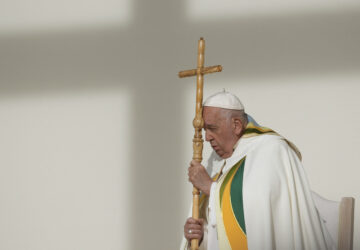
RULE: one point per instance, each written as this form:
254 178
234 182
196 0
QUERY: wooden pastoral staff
198 121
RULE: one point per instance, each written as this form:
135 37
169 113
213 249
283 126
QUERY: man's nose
208 136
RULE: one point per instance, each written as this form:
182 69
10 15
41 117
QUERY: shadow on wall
145 58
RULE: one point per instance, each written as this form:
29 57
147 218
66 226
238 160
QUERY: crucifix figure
198 121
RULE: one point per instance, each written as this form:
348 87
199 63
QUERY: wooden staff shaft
198 125
198 121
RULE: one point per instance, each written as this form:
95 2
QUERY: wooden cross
198 121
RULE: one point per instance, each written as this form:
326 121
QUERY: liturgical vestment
260 198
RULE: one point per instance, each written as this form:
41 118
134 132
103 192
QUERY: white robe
278 207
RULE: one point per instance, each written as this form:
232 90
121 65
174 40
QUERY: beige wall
95 127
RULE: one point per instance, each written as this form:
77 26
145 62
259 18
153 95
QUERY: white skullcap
224 100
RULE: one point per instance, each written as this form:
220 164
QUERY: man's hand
199 177
194 229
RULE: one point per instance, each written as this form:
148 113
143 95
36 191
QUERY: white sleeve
211 207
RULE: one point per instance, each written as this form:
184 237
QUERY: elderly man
254 192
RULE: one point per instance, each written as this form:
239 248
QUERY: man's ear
237 125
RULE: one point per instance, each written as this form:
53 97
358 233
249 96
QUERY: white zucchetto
224 100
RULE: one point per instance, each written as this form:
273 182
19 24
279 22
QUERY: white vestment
278 207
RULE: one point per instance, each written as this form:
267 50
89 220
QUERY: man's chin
218 152
221 153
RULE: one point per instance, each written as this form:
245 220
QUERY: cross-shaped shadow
145 57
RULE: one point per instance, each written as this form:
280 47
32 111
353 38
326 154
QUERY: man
254 192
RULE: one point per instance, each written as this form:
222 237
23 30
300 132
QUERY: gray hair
231 113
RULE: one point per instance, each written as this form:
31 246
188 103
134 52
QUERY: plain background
95 126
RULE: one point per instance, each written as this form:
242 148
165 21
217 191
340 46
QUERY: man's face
219 131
